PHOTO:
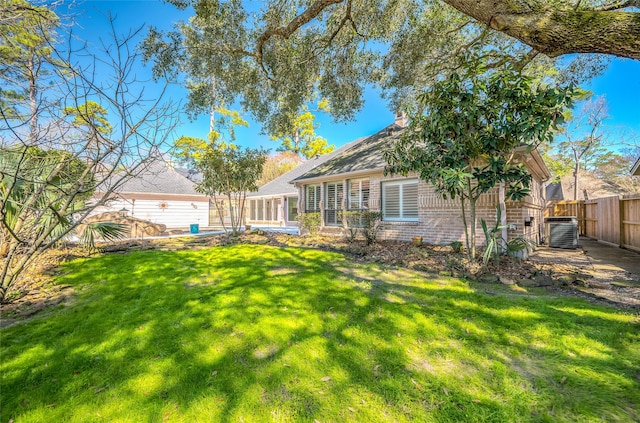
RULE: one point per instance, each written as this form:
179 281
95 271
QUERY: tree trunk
33 102
212 111
474 223
555 31
466 227
232 216
576 180
296 141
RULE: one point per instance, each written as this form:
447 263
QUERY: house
554 192
160 194
635 170
276 202
354 180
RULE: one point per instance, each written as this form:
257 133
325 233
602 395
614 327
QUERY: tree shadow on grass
259 333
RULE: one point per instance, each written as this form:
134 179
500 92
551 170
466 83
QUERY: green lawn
251 333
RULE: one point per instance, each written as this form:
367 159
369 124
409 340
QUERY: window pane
334 196
354 194
365 194
316 204
391 201
268 205
358 194
331 196
313 197
292 207
410 201
260 216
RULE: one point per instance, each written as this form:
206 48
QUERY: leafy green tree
226 168
232 171
189 150
615 170
301 137
278 164
27 34
275 61
464 139
91 116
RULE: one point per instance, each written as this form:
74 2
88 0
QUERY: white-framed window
252 209
312 195
358 194
292 209
333 202
400 200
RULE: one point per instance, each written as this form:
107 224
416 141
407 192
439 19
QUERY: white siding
176 214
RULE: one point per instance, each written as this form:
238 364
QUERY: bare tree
54 175
582 139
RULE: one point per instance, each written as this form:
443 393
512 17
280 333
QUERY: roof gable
635 170
367 154
361 155
282 184
158 178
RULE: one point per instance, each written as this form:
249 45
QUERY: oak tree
276 59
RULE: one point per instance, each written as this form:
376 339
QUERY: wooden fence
612 220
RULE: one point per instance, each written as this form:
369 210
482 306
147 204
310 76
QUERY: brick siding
440 221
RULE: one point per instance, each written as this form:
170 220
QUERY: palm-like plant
39 193
108 231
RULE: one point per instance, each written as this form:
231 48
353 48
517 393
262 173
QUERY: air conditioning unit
562 231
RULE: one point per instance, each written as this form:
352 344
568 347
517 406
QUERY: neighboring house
160 194
354 180
554 192
635 171
276 202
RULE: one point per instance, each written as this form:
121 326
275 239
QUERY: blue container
194 228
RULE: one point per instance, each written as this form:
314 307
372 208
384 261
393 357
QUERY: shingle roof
554 192
190 174
159 178
282 184
635 170
363 154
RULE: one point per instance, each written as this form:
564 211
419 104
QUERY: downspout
301 206
321 204
344 203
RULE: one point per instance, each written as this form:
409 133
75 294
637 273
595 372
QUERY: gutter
342 175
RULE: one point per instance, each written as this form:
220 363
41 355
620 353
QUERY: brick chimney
401 119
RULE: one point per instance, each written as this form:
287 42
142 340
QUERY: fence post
621 217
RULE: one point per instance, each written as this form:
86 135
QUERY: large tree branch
555 31
285 31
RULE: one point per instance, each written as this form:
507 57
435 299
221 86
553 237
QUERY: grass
252 333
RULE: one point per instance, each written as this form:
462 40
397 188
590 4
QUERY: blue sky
620 83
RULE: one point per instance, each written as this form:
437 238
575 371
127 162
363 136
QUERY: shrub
351 222
494 243
516 246
310 221
371 225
